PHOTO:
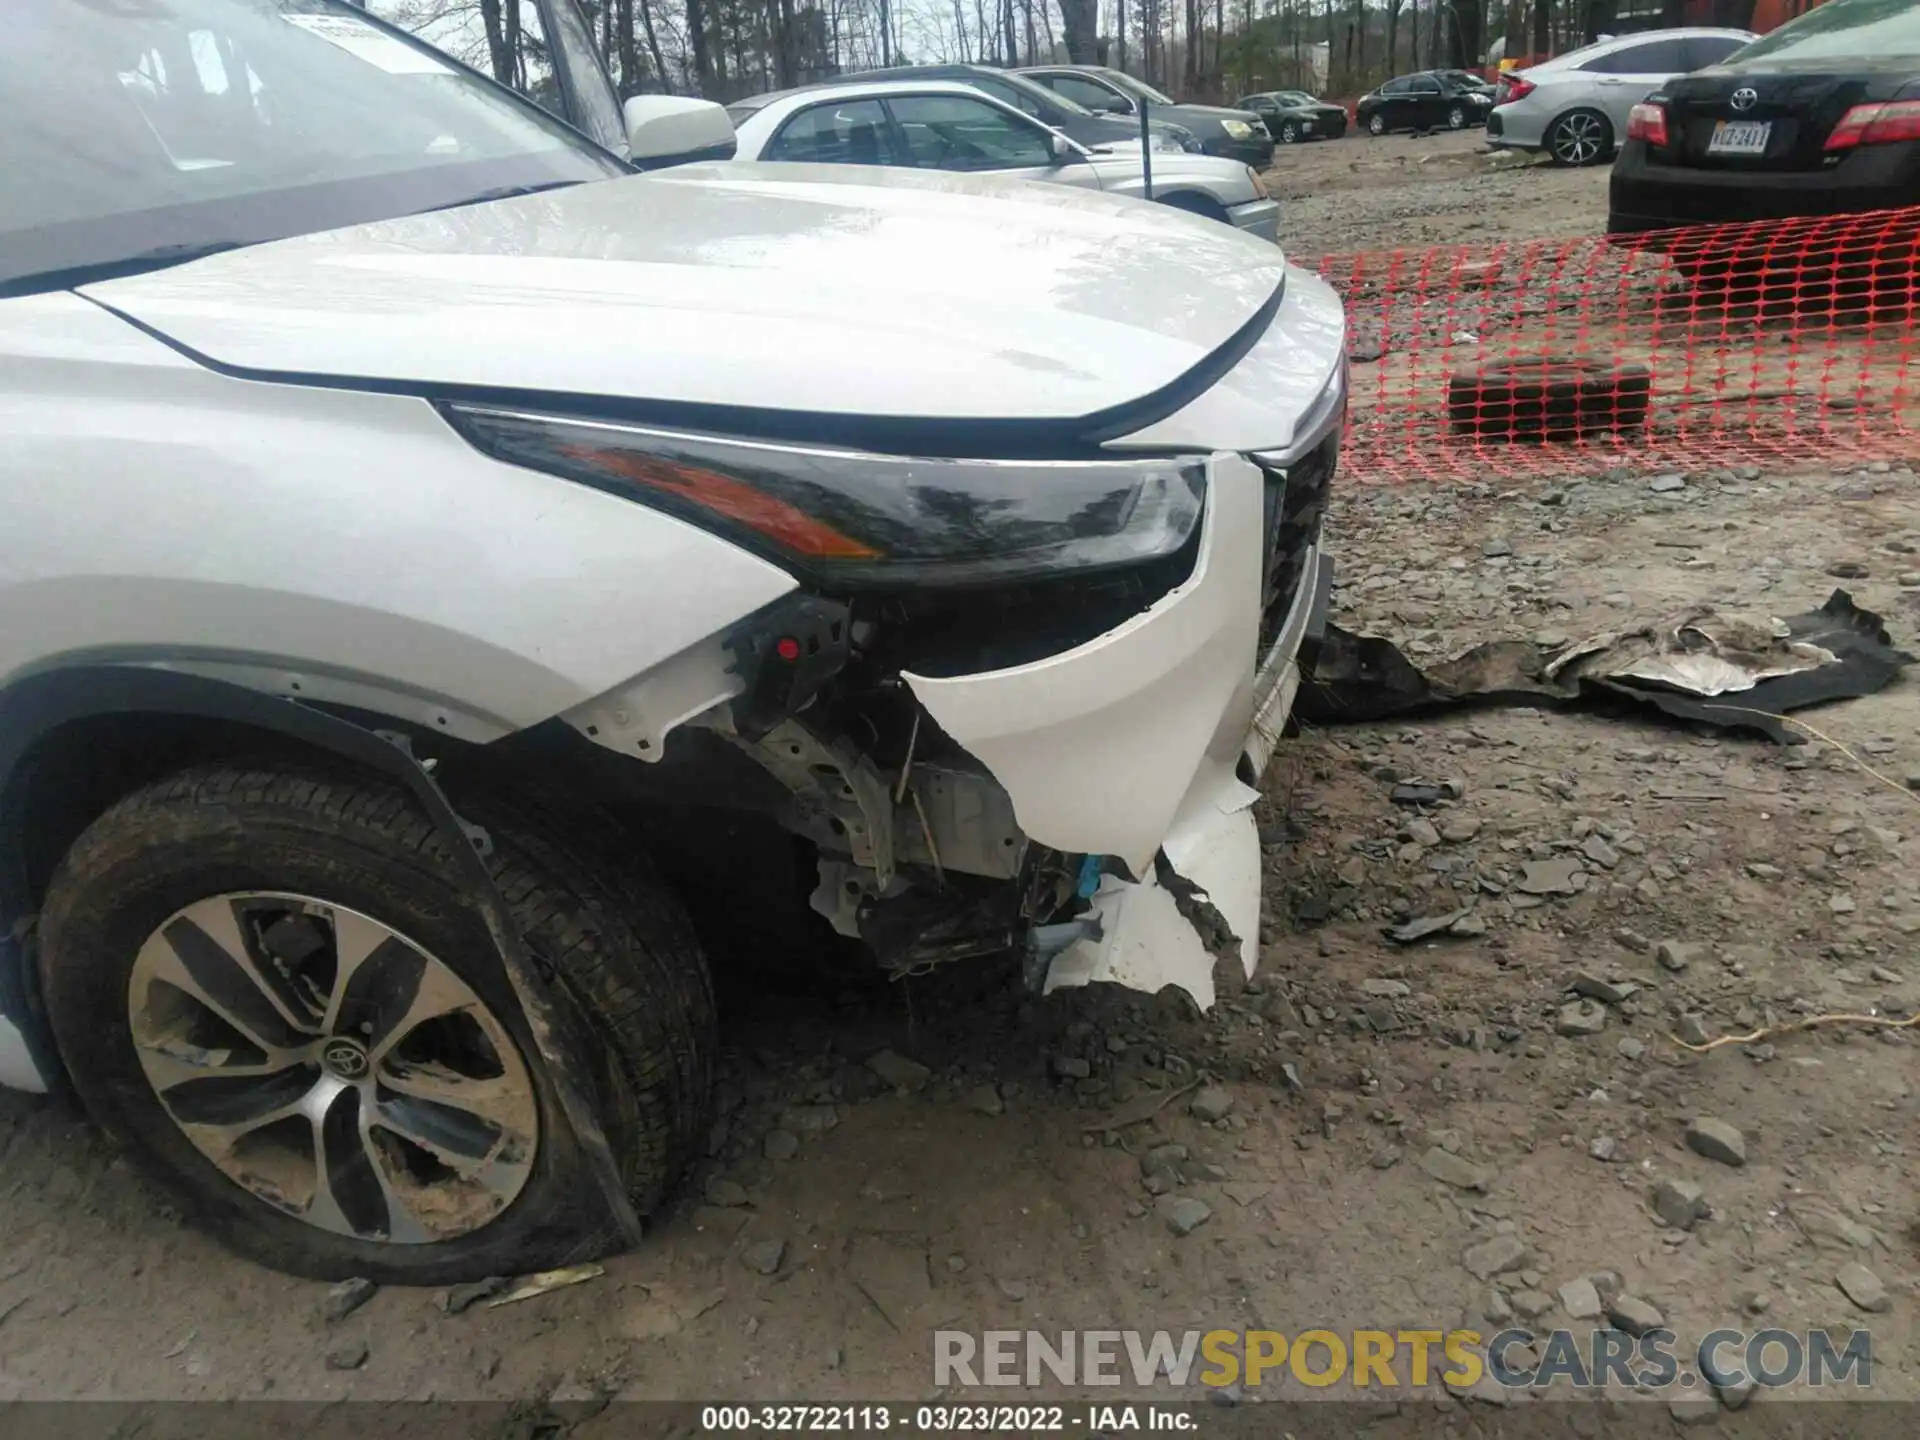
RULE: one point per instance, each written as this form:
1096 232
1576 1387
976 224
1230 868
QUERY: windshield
1136 87
1295 97
151 130
1842 30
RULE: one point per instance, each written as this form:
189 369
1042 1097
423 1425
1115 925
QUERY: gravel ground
1387 1136
1359 193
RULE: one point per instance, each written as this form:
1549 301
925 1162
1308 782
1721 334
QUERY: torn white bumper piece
1129 745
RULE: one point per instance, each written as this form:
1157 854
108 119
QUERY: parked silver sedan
1575 106
940 125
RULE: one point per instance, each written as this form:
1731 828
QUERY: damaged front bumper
1144 745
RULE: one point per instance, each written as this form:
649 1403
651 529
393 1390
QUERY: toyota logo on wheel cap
1745 98
345 1059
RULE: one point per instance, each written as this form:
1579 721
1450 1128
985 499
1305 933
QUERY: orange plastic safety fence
1774 344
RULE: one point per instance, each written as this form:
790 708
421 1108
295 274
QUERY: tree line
1208 50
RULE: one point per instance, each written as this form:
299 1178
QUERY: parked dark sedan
1820 117
1075 121
1430 100
1237 134
1293 115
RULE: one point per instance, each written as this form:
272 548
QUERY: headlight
852 520
1168 142
1238 129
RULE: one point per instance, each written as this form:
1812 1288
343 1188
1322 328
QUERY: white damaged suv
450 576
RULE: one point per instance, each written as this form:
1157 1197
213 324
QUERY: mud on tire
628 981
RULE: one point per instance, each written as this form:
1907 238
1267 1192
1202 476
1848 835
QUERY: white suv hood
808 288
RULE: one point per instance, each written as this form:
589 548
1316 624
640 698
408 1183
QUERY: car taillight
1511 90
1877 124
1648 122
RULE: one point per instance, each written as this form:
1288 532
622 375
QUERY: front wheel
270 984
1289 133
1376 125
1580 137
1457 118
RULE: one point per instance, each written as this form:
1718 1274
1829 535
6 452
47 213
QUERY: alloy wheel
333 1068
1456 118
1376 125
1576 140
1289 133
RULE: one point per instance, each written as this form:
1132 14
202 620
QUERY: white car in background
950 127
453 583
1575 106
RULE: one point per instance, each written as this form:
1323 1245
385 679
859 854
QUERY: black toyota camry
1820 117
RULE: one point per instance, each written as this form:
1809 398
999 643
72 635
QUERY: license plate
1739 137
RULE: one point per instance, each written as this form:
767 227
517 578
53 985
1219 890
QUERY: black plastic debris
1724 671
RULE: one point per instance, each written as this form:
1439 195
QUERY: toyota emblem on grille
1745 98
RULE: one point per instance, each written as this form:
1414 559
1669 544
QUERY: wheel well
743 877
1194 203
77 771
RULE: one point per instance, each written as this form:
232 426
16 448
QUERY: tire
630 987
1543 399
1205 206
1579 137
1289 133
1376 124
1457 118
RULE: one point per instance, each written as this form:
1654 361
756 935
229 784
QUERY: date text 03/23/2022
925 1419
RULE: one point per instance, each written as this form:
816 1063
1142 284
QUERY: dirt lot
1409 1138
1359 193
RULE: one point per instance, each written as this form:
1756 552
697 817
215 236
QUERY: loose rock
1691 1410
780 1145
809 1119
1634 1315
1182 1214
1494 1256
985 1100
1863 1288
1562 876
462 1298
1211 1105
1531 1304
1583 1017
1595 987
1679 1203
1717 1140
728 1194
1450 1169
1676 955
346 1297
900 1072
1581 1300
763 1257
347 1355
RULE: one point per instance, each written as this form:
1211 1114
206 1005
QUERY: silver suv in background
1575 106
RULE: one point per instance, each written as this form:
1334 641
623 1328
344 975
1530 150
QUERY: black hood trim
986 438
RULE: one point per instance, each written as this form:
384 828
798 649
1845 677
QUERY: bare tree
1081 20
